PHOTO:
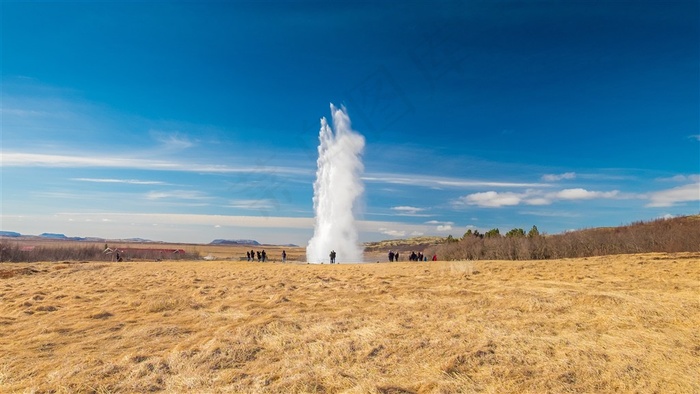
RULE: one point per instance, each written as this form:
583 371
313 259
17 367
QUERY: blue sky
188 122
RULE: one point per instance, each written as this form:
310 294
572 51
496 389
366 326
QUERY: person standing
284 256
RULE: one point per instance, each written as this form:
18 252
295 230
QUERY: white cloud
125 181
437 182
492 199
408 211
21 159
552 214
583 194
440 226
177 194
671 197
392 233
558 177
538 201
172 141
438 222
252 204
683 178
696 137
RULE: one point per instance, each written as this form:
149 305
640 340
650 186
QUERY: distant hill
234 242
140 240
63 237
407 244
52 235
9 234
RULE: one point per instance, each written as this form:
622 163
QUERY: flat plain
624 323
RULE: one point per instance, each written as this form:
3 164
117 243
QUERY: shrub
680 234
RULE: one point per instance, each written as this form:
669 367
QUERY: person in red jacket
434 257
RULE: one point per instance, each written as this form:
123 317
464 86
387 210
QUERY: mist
337 191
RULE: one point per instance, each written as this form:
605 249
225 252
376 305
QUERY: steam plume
337 190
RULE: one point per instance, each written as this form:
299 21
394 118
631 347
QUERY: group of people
261 256
417 257
394 256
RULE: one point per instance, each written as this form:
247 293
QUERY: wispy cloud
252 204
124 181
695 137
430 181
392 233
493 199
410 211
674 196
193 219
23 113
683 178
558 177
549 213
20 159
177 195
582 194
440 226
173 141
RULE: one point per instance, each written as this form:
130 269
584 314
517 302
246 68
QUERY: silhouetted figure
284 256
247 255
396 256
391 256
259 256
332 255
264 255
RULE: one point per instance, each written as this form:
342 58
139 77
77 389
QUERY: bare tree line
14 252
681 234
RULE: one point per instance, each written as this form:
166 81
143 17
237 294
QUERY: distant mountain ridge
53 235
63 237
234 242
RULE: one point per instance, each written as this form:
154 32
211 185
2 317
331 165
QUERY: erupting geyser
337 190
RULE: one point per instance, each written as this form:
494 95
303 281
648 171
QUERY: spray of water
337 191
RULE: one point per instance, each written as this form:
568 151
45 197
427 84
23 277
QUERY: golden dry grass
606 324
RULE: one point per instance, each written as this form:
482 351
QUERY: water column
337 190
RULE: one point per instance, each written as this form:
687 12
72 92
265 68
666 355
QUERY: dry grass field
626 323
